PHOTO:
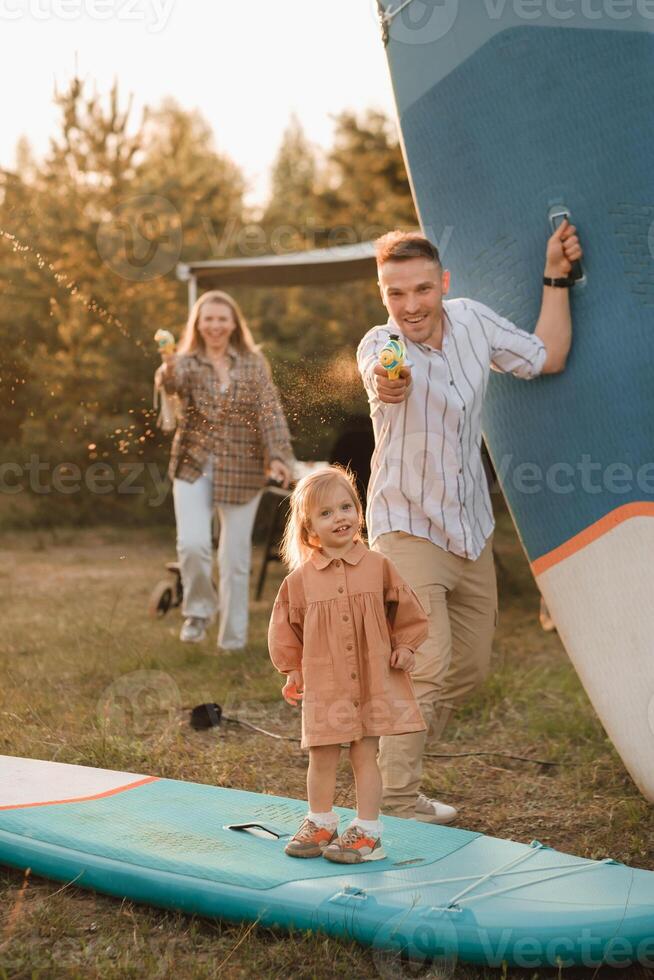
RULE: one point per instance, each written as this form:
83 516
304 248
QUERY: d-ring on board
388 16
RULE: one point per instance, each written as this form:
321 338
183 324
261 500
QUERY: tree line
79 308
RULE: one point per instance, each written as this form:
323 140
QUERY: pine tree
290 215
82 294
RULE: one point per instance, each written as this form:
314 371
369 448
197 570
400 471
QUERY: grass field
75 634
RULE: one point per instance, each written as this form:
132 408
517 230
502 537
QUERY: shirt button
337 563
356 704
451 382
353 676
340 588
349 647
346 619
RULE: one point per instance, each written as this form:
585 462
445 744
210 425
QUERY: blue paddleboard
440 892
512 113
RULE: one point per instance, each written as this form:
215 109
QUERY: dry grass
74 626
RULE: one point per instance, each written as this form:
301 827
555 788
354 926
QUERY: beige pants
460 598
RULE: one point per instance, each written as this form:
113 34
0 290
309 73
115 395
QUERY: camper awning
320 266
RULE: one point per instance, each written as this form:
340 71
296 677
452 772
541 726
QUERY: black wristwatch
565 283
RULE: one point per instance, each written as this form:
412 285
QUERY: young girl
344 630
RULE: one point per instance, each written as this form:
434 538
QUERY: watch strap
562 283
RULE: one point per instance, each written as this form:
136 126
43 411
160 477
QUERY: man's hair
399 246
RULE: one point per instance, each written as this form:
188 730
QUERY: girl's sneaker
354 846
310 840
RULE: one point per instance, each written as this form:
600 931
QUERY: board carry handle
559 213
264 832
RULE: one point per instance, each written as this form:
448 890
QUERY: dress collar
353 556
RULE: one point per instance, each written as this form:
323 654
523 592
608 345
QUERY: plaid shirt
241 427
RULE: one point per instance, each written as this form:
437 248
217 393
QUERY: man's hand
293 689
403 658
280 473
563 249
392 392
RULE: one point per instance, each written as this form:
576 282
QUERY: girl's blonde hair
192 340
298 543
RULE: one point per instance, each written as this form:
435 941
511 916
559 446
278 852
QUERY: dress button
349 647
346 619
341 589
356 704
353 676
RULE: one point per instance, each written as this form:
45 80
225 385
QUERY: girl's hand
293 689
403 658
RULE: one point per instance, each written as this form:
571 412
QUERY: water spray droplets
71 287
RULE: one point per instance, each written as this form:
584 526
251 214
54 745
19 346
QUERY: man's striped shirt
427 476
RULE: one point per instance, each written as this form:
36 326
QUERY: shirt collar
392 327
232 353
353 557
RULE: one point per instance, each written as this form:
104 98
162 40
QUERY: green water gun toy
165 342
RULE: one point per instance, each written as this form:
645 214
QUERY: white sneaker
431 811
194 629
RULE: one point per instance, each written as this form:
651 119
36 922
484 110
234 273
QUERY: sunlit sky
247 65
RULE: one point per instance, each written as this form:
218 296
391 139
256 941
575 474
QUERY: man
429 508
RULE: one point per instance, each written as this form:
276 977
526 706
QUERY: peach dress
338 620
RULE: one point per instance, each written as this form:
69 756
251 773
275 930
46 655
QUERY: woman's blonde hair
298 543
192 340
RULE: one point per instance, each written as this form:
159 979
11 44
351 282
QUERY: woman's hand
293 689
280 473
402 658
166 366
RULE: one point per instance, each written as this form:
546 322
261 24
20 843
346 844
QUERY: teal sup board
440 892
512 113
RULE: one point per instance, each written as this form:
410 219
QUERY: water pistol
392 356
165 342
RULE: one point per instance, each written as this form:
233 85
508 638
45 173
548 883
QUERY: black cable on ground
427 755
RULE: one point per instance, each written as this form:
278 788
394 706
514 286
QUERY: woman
231 438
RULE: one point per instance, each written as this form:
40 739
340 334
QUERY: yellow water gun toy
392 356
166 405
165 342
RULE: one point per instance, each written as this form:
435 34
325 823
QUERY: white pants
194 510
